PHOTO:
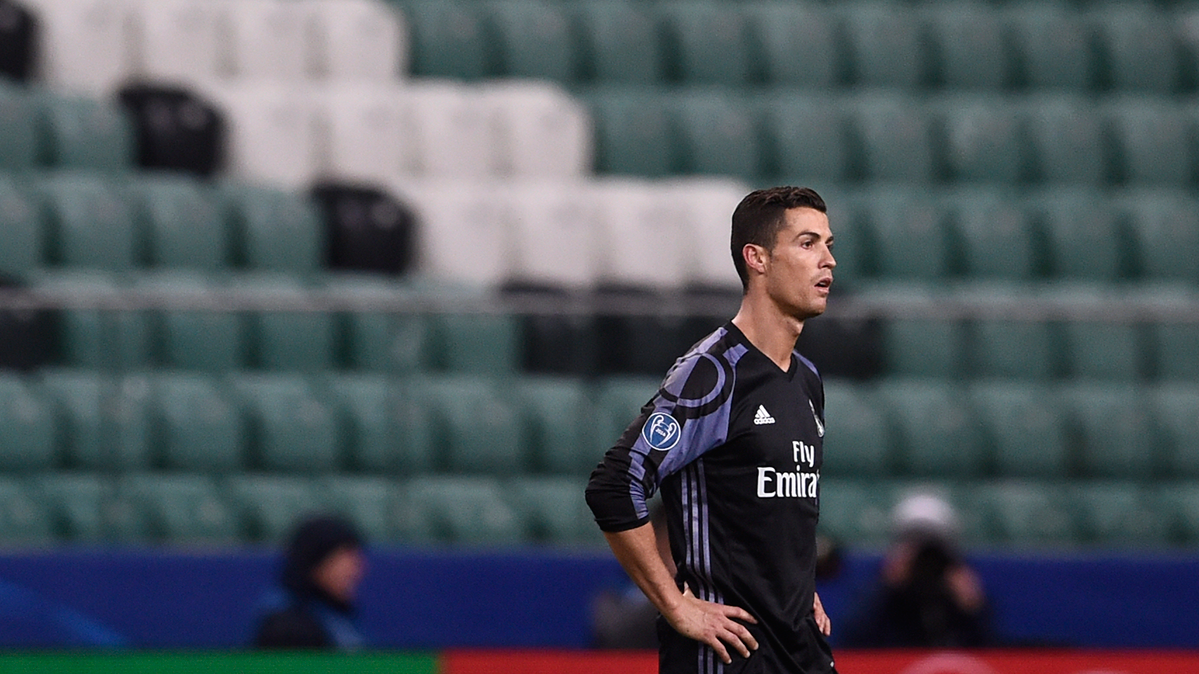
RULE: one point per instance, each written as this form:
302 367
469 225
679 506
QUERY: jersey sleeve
688 416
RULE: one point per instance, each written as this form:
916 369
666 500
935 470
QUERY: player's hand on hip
822 621
714 624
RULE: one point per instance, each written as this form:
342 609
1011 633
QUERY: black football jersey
735 445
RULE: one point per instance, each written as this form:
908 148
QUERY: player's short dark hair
759 217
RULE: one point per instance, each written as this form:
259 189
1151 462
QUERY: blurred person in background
926 595
314 606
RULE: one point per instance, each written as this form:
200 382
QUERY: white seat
640 234
541 131
272 131
179 40
709 205
552 228
451 134
463 235
367 132
266 40
86 45
356 40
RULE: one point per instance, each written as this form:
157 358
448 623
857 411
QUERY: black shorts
680 655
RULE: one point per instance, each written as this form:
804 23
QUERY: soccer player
733 439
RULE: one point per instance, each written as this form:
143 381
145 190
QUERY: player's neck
769 329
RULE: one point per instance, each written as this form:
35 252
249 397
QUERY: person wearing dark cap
314 608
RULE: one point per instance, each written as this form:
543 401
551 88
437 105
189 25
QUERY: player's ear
755 257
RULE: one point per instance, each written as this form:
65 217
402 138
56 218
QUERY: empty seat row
40 129
191 509
1133 47
95 46
884 135
1024 513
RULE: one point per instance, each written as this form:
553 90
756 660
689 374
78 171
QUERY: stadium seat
1114 431
87 508
452 131
552 228
898 138
356 40
638 234
1153 142
553 511
932 428
984 140
618 401
855 250
212 339
706 42
19 147
377 341
1055 46
292 427
369 502
24 520
86 134
1117 513
971 44
1165 229
476 429
28 435
1175 410
1176 346
1068 141
719 135
1139 47
1027 513
463 236
368 133
481 344
998 237
532 39
856 512
856 435
385 428
550 410
448 39
1098 349
618 42
919 346
461 510
180 40
105 420
709 204
266 40
888 45
180 509
272 131
24 230
1083 234
1178 504
798 44
808 137
91 222
181 222
634 132
269 507
285 340
198 427
84 46
1023 427
96 338
540 131
1004 347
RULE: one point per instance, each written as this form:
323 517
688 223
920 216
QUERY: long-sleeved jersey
735 444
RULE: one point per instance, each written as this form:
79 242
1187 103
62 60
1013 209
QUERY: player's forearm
637 551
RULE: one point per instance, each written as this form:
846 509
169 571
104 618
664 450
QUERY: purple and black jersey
735 445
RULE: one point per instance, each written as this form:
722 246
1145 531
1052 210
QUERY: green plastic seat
87 134
1166 231
898 139
272 230
476 427
984 140
91 221
1140 48
551 409
1114 430
888 45
1178 504
1054 45
87 508
1152 142
533 39
378 341
707 42
286 340
719 135
1117 513
1175 411
634 132
449 39
810 138
18 128
1028 513
461 510
1098 349
481 344
1068 141
367 501
27 436
1177 349
21 221
182 223
554 511
798 44
105 420
1023 428
856 511
932 427
618 402
998 238
269 507
181 509
1008 348
24 520
854 247
911 235
385 427
920 346
972 47
618 42
856 443
1083 235
212 340
292 426
198 428
97 338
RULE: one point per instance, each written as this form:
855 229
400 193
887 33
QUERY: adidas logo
762 416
